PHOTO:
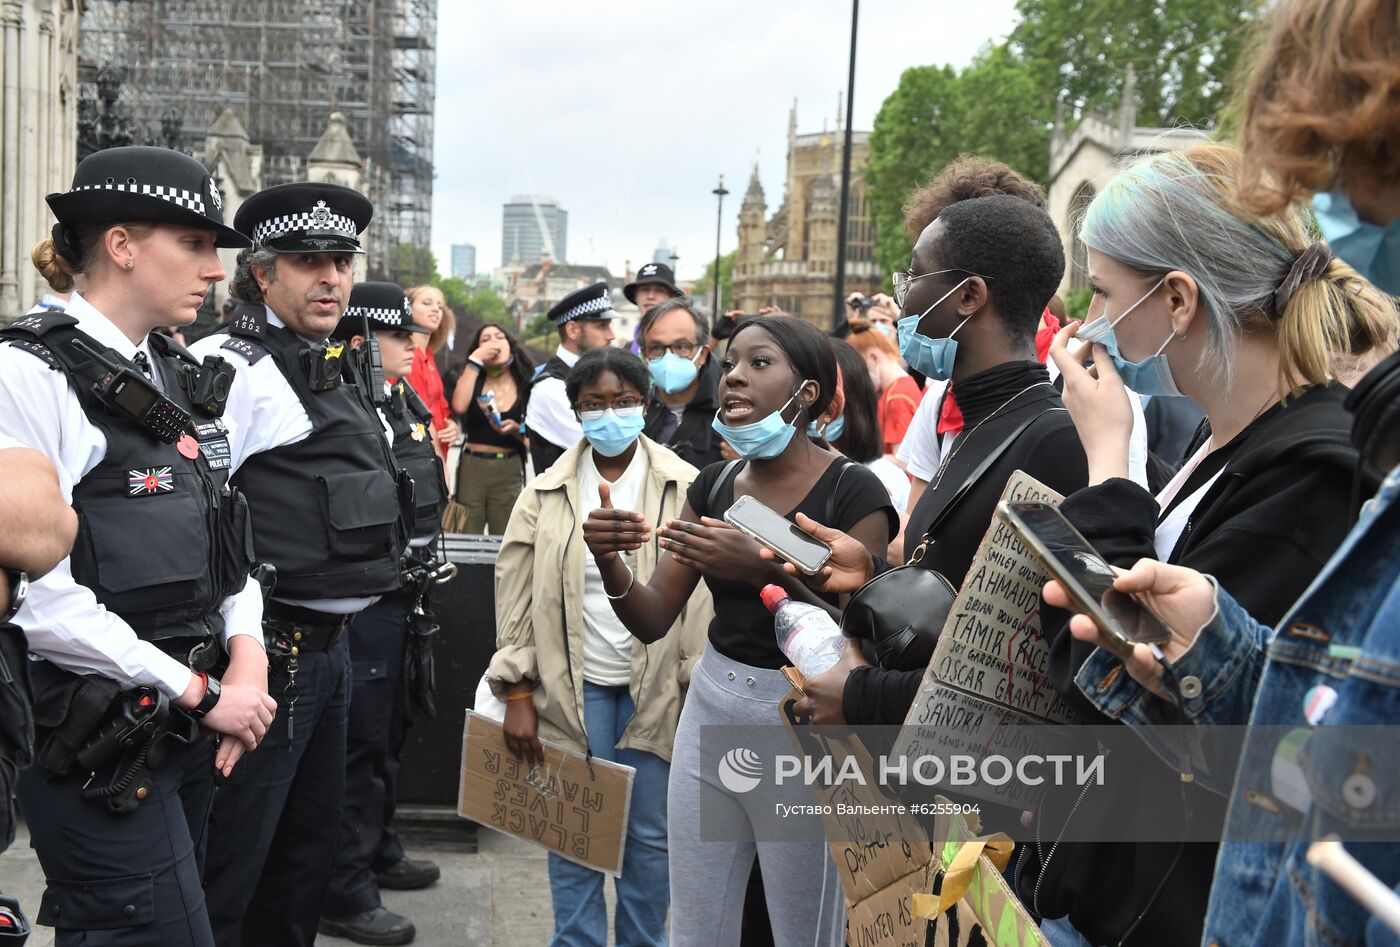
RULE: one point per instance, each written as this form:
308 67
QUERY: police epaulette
249 321
38 349
38 323
251 349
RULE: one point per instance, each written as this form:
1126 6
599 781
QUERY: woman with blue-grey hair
1196 296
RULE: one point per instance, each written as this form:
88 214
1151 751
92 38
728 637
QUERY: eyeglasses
684 349
624 407
902 279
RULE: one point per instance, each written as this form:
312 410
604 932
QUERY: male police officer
584 318
327 509
380 636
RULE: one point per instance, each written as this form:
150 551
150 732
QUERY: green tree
411 265
706 284
1183 53
908 142
476 301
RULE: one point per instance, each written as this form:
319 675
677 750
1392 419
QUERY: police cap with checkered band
305 218
383 304
141 184
590 303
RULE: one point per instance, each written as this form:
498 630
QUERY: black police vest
328 511
162 540
544 453
409 418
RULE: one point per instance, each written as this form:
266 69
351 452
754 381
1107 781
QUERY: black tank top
479 429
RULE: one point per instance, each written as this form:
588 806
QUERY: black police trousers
368 843
124 880
276 821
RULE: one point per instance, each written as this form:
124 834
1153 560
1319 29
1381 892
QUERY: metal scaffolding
283 66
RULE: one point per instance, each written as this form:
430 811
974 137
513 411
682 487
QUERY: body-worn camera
208 386
323 364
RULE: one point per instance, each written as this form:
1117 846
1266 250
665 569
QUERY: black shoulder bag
901 612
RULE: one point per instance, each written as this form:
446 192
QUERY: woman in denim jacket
1333 662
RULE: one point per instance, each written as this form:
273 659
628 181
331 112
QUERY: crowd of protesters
1223 425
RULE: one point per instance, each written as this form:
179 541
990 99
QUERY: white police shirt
62 620
548 412
263 412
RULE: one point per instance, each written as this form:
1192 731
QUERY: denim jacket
1343 634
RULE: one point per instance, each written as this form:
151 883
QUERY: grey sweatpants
805 904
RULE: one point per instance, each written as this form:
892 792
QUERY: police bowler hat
141 184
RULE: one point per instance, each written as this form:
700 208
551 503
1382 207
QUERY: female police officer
154 601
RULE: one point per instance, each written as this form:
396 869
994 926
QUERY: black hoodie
1283 503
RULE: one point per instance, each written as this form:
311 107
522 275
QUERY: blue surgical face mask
831 431
764 439
614 430
673 373
931 357
1152 375
1372 251
886 328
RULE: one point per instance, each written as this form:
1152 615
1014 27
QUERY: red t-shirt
896 409
428 383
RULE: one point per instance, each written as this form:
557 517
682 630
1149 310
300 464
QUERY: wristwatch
210 698
19 588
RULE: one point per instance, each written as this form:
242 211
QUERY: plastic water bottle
807 634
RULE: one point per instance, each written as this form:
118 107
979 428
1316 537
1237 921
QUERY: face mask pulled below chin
673 373
1153 375
931 357
613 433
764 439
1372 251
831 431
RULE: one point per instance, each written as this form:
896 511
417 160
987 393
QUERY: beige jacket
539 606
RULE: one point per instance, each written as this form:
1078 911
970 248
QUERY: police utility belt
292 629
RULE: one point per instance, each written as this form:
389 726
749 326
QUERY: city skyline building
533 227
463 261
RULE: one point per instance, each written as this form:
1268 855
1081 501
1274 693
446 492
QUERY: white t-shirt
607 644
1172 525
895 480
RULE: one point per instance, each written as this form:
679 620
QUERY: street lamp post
840 312
719 193
675 261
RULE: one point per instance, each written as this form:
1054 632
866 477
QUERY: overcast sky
628 112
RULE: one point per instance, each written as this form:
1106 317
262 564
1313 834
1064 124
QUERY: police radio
208 386
374 369
128 392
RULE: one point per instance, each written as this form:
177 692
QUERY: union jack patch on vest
150 480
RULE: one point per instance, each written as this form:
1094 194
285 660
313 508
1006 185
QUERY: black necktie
144 363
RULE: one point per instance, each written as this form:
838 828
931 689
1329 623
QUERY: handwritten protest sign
573 807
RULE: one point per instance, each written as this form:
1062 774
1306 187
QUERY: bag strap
845 463
971 479
724 477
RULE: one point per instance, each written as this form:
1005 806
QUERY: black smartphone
1085 576
760 523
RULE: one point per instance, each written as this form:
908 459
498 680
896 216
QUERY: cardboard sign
988 913
882 857
575 808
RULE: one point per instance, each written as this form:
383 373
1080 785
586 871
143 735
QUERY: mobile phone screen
779 534
1074 562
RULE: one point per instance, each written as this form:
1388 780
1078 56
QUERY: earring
130 264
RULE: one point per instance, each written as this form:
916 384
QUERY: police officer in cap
328 511
382 638
153 609
584 318
655 283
